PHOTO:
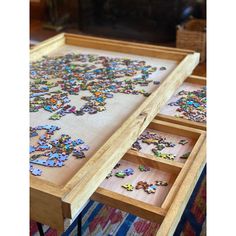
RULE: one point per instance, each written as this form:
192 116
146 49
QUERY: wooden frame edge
128 204
176 209
183 173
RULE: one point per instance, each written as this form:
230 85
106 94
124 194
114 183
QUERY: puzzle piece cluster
149 137
192 105
167 156
54 78
53 152
150 188
124 173
160 143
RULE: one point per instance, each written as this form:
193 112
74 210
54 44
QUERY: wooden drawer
180 175
169 113
60 193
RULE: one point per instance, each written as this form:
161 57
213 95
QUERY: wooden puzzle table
60 193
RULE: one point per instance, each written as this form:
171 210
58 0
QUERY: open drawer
175 112
155 206
71 75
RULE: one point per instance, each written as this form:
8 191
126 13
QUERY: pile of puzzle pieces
192 105
148 188
160 144
149 137
53 79
53 152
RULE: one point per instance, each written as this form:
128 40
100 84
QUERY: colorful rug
101 220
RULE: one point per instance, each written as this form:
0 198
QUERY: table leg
40 229
79 225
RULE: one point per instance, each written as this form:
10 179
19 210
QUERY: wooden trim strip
126 48
175 129
47 46
180 121
179 203
123 42
128 204
169 198
194 79
166 165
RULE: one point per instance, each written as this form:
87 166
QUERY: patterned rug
101 220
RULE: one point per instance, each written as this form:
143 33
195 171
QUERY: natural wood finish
121 42
195 79
131 205
166 165
47 46
175 129
126 48
166 204
46 209
74 194
115 199
181 121
176 209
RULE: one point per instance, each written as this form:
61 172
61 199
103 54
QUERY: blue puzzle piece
59 164
128 171
41 142
84 147
36 171
63 157
53 155
39 162
44 147
48 108
79 141
32 149
50 163
33 134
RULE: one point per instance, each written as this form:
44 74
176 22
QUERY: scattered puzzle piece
120 174
128 187
183 141
144 168
185 156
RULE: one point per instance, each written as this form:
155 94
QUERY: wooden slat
181 121
126 48
123 42
195 79
131 205
175 129
165 165
179 203
179 180
47 47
